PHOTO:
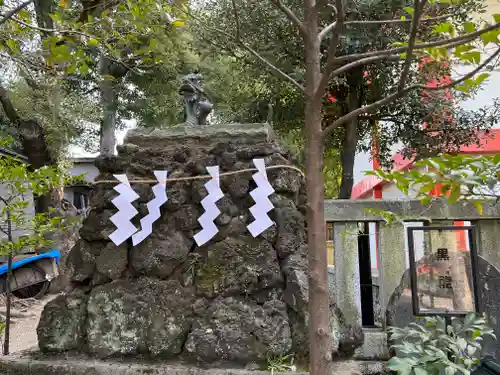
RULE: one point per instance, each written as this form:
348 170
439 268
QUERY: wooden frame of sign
456 293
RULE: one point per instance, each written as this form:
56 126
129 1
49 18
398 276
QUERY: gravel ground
25 317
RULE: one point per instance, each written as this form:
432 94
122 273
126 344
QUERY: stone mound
237 298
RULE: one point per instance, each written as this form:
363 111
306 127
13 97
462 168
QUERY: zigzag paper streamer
124 228
160 192
209 229
262 203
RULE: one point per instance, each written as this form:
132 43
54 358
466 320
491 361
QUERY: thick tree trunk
108 102
320 336
34 145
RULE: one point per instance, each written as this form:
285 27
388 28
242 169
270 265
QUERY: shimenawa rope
203 177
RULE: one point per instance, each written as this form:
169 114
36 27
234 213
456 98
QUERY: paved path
23 325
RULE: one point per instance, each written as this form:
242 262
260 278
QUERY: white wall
90 172
87 168
30 212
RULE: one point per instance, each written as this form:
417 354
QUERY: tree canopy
252 89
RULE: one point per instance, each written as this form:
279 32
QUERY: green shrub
427 348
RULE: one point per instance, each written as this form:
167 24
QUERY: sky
79 152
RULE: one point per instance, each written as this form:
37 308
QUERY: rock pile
238 299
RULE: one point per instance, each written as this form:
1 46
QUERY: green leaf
472 56
409 10
481 78
463 48
178 23
444 28
420 371
454 194
93 42
490 37
462 88
476 334
399 365
496 17
469 27
479 207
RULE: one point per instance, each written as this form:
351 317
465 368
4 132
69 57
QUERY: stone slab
375 346
29 366
410 210
242 133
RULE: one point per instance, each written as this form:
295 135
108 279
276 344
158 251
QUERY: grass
280 364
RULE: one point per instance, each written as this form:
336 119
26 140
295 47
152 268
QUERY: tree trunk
108 102
33 142
347 157
351 137
320 336
43 9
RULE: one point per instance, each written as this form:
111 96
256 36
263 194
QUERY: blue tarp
51 254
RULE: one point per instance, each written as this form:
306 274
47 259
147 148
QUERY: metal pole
7 290
447 323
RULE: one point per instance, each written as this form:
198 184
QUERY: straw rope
203 177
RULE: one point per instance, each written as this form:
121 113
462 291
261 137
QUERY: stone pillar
392 262
488 238
347 271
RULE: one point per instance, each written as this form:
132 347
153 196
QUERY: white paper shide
160 192
124 227
260 196
206 220
126 211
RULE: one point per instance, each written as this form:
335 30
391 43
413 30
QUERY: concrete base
374 346
60 366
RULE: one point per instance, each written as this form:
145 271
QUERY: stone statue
196 106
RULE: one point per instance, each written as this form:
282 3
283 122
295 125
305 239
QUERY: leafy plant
430 347
280 364
19 181
460 177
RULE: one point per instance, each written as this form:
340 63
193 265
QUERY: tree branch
328 28
370 57
447 43
397 22
398 94
291 16
8 107
12 12
332 48
254 53
347 67
236 20
417 8
45 30
322 34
